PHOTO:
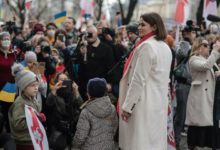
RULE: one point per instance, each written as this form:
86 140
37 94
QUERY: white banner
36 129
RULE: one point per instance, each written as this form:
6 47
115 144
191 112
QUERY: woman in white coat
143 96
199 113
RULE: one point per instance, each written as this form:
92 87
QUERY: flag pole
26 19
177 34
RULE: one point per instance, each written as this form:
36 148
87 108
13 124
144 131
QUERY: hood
100 107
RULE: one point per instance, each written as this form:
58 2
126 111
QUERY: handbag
181 71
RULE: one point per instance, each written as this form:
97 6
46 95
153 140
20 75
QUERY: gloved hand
42 117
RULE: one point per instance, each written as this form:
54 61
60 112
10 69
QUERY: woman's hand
217 46
57 86
75 89
60 44
125 116
217 73
33 66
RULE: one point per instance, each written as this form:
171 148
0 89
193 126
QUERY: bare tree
18 9
132 4
99 4
200 10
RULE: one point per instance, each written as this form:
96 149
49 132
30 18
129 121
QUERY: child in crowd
27 84
98 120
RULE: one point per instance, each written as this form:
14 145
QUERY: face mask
6 43
51 32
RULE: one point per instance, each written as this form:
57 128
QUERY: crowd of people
99 87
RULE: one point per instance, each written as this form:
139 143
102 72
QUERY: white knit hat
22 77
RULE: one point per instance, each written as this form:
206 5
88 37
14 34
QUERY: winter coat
59 111
97 126
182 56
5 68
199 111
217 100
144 94
100 60
17 119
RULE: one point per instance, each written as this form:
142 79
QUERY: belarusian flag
181 11
210 8
28 4
36 129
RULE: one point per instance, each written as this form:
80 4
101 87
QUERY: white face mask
6 43
51 32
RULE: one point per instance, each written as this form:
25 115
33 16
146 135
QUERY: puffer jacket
97 126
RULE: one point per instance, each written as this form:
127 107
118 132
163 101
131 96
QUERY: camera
106 31
61 37
11 27
46 49
86 34
67 83
89 35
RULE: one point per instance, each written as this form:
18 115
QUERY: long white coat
144 93
199 110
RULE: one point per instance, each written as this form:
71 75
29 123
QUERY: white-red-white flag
171 144
182 11
210 7
28 4
36 129
87 6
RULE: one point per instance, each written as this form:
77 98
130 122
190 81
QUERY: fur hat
97 87
22 77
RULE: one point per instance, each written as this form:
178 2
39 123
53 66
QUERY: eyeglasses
205 45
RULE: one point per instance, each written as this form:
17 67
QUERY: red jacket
5 68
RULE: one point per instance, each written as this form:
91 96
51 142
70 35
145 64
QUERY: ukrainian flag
8 92
60 17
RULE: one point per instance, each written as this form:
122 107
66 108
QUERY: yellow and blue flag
8 92
60 17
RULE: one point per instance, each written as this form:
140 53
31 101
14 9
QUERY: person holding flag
28 84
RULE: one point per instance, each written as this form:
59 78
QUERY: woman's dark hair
51 24
60 32
155 20
42 39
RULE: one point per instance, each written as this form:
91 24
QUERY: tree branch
131 8
41 12
12 7
121 10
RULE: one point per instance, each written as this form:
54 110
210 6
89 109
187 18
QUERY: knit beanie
30 56
97 87
132 27
22 77
38 27
3 34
